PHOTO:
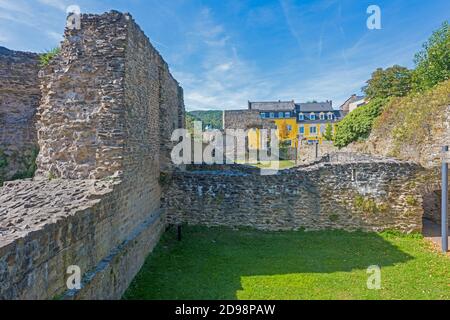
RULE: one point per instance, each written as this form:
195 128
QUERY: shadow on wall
216 263
432 196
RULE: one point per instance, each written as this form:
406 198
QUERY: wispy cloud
20 19
57 4
224 79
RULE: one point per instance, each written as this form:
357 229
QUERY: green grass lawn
281 165
221 263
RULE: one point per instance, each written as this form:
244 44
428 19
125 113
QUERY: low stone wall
369 195
307 152
105 228
19 99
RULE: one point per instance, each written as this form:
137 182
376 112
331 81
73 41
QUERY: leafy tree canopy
433 62
395 81
211 119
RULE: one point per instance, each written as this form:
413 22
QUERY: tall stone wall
19 99
372 195
107 103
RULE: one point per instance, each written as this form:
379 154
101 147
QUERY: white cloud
57 4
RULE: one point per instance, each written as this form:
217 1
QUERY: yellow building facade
288 130
294 122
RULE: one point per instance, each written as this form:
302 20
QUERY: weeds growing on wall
410 120
47 57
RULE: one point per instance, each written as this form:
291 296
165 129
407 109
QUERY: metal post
317 150
445 200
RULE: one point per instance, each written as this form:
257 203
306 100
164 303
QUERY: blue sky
226 52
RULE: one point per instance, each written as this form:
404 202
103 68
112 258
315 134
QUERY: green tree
357 125
212 119
283 132
328 135
433 62
395 81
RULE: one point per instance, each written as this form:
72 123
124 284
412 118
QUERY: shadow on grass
211 263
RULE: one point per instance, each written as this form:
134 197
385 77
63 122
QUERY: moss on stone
334 218
368 205
410 200
383 207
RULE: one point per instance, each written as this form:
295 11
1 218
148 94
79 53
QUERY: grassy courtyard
222 263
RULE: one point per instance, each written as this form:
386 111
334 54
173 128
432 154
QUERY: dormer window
330 116
322 116
263 115
301 117
312 117
287 114
272 115
280 114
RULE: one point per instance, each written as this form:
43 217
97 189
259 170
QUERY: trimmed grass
283 164
220 263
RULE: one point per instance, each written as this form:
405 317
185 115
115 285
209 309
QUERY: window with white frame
263 115
330 116
312 117
272 115
322 116
313 130
287 114
280 114
301 117
301 130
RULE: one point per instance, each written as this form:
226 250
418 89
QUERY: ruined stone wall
19 99
245 119
96 200
307 152
369 195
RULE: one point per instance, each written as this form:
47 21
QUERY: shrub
357 125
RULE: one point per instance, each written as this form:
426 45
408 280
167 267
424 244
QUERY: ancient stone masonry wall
96 200
370 195
19 99
245 119
427 153
81 118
